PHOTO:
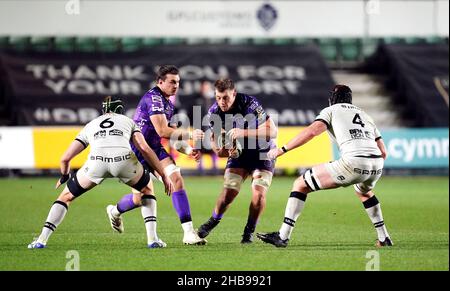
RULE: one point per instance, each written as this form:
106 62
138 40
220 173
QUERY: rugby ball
223 141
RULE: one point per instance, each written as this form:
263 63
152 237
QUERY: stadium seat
304 41
329 48
195 40
64 44
131 44
41 44
218 40
19 43
3 42
369 46
261 41
436 40
238 41
173 40
415 40
282 41
393 40
151 41
351 49
107 44
85 44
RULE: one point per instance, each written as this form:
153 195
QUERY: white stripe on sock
375 216
149 209
55 216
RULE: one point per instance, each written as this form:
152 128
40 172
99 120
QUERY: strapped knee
232 181
143 181
311 181
262 178
75 187
170 169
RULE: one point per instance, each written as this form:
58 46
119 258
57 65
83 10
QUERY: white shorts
363 173
112 163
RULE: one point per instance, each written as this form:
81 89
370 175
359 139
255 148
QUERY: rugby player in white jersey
110 156
361 163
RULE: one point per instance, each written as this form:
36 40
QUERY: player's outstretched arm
314 129
151 158
72 151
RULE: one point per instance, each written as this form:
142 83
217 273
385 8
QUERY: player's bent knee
134 191
171 169
363 191
232 181
174 172
74 187
300 186
262 179
66 196
311 181
145 191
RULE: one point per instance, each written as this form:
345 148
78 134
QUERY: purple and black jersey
152 103
246 113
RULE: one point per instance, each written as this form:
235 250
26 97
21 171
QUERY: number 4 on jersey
357 120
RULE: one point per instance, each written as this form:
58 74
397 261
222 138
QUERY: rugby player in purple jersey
153 114
243 132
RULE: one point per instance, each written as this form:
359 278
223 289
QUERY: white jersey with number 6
352 129
109 130
111 154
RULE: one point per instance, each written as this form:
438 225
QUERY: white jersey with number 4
109 130
352 129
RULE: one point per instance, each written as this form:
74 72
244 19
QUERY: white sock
148 211
187 227
294 207
373 209
54 218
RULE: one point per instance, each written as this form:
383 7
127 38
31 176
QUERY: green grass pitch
333 232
